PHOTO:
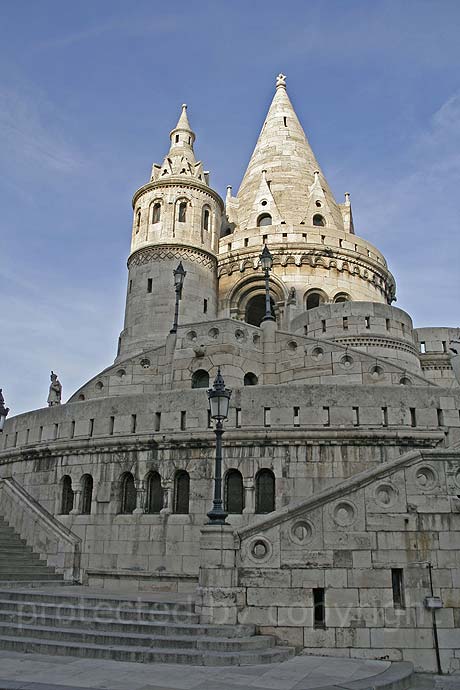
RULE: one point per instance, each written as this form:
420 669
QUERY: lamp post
179 275
219 401
3 411
266 261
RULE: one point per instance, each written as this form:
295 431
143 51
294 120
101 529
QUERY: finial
184 106
347 198
316 176
229 192
281 81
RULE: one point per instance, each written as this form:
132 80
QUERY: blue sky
90 90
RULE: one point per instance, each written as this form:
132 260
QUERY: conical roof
283 151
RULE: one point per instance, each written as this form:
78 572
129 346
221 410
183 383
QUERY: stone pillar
76 510
269 329
167 498
218 597
249 494
140 496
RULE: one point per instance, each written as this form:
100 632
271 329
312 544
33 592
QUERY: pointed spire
283 151
182 132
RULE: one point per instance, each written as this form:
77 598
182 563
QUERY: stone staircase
18 563
126 629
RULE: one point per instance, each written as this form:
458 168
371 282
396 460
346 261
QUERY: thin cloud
30 135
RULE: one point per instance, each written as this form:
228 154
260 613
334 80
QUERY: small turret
177 217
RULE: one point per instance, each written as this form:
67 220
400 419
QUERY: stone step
20 566
144 654
92 600
33 575
21 617
104 637
87 611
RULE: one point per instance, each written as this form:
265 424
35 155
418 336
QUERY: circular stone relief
376 372
260 549
317 353
344 514
145 363
405 381
426 477
240 335
301 532
292 345
346 361
213 333
386 495
192 336
99 385
121 373
256 339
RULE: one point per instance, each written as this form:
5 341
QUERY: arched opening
200 379
86 494
314 299
182 212
234 492
265 491
250 379
255 309
319 220
206 219
138 221
341 297
154 493
156 212
263 220
128 494
67 495
181 493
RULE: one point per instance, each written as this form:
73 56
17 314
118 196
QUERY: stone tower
285 201
177 217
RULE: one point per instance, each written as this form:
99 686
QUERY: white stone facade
344 421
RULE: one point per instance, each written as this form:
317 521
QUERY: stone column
76 510
140 496
249 494
218 597
167 498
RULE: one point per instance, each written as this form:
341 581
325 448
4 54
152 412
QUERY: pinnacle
283 151
183 122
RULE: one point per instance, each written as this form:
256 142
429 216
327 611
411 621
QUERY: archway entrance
255 309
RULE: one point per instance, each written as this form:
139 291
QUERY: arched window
181 492
128 494
138 221
341 297
319 220
250 379
156 212
234 492
265 491
86 494
200 379
182 212
206 219
154 493
314 299
255 309
66 495
264 219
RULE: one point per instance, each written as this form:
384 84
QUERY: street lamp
266 261
3 411
219 401
179 275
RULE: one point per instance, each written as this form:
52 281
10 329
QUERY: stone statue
3 410
54 396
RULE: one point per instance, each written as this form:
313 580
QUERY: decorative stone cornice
177 182
179 252
358 341
315 256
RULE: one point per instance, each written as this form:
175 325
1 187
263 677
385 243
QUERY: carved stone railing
40 530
